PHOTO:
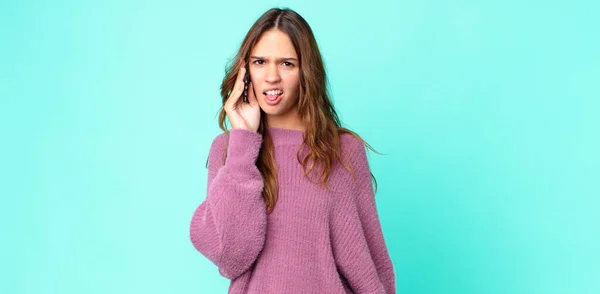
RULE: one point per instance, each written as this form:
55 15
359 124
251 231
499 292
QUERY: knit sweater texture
316 240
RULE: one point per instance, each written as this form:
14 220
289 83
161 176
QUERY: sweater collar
282 136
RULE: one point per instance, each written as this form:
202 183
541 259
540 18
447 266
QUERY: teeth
274 92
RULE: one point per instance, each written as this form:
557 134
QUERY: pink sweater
314 241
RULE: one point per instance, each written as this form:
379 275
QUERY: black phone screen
246 82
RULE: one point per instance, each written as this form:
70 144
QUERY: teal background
487 111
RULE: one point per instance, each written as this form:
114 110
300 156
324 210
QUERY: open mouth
273 96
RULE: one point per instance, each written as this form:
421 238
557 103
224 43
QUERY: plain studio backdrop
487 112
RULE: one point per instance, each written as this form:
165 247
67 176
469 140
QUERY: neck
290 121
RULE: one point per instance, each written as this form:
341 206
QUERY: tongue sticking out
273 96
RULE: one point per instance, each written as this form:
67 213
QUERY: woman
290 205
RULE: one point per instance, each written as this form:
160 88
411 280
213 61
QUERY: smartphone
246 83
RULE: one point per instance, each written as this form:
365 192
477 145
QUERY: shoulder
354 150
352 145
218 148
219 142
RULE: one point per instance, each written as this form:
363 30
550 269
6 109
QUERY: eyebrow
277 59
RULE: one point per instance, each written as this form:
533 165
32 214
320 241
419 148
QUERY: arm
359 246
229 226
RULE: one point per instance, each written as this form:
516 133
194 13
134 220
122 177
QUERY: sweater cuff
244 147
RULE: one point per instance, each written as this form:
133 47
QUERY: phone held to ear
246 82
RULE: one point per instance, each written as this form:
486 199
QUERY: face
275 74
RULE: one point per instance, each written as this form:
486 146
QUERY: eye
259 61
286 63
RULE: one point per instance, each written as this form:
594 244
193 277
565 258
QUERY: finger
241 74
233 97
239 81
238 87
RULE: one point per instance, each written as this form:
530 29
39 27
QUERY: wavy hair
323 127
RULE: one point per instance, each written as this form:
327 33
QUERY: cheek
256 76
293 83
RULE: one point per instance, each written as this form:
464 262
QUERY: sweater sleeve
229 226
359 247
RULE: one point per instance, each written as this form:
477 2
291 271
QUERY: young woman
290 205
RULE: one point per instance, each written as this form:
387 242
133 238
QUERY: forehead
274 43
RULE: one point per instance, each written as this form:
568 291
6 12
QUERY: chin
270 110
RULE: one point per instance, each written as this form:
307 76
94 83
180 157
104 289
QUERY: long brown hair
323 127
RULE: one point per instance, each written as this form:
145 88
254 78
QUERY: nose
272 74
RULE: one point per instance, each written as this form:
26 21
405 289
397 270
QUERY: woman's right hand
242 115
